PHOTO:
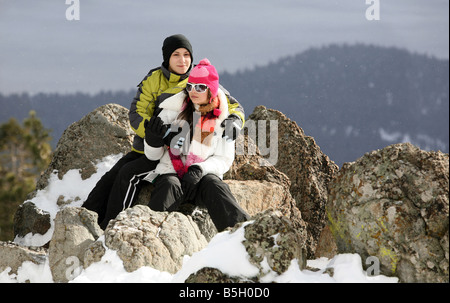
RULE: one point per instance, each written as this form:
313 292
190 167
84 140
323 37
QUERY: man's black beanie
173 43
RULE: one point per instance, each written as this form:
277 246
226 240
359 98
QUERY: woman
194 173
119 188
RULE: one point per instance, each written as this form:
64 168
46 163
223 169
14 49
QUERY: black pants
212 193
119 187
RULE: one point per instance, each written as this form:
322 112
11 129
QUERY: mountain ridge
339 93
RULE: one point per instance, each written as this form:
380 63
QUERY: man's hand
155 131
232 126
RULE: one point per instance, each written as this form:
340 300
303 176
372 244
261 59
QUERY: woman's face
199 98
180 61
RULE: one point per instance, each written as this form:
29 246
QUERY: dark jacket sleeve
143 104
234 107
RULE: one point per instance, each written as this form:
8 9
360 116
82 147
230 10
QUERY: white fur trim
174 102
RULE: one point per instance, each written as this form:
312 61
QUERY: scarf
201 139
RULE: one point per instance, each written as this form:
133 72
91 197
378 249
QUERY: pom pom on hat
204 61
205 73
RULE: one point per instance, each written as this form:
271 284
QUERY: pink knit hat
205 73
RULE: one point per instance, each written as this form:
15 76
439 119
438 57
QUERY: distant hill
354 99
351 99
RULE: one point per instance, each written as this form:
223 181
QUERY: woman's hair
187 114
188 111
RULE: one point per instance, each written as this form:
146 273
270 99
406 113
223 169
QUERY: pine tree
24 152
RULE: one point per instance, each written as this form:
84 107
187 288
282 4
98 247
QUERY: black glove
155 131
232 126
190 181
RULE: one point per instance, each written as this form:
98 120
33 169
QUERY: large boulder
104 131
143 237
274 239
393 204
302 161
76 229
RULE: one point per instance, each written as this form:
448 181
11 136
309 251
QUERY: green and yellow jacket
158 85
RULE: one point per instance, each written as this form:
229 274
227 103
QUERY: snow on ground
225 251
72 187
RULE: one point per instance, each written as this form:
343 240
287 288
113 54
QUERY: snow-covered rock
76 229
273 244
143 237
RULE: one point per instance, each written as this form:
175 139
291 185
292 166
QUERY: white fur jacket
217 158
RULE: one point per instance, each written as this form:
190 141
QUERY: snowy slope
224 251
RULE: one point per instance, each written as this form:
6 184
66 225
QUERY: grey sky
115 43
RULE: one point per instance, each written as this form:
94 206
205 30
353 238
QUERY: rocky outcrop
307 167
140 236
394 204
274 239
391 204
143 237
104 131
76 229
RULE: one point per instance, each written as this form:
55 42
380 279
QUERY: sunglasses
199 88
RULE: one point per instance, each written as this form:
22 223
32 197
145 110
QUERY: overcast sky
116 42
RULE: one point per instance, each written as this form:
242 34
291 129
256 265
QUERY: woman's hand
190 181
